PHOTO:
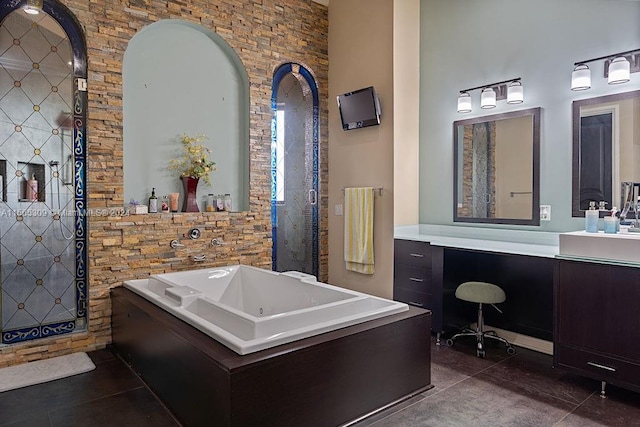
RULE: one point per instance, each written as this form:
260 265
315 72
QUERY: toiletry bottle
165 204
153 202
591 217
220 202
32 189
210 203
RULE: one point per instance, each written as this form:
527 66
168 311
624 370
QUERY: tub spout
198 258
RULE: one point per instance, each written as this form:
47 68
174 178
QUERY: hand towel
358 229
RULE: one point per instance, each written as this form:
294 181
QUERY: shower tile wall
37 262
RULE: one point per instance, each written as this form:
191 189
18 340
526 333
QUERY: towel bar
378 189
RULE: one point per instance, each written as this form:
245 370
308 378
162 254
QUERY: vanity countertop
518 242
617 249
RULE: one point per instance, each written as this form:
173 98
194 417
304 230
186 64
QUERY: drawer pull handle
415 279
418 304
597 365
417 255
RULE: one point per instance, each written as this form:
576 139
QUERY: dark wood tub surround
325 380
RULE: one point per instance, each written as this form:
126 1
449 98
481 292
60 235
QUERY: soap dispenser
591 217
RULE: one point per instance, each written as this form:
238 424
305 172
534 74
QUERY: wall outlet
338 210
545 212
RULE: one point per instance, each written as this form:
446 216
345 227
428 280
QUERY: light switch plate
338 210
545 212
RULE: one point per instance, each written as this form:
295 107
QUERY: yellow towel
358 229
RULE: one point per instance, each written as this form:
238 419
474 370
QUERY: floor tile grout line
543 392
574 409
84 402
146 386
426 396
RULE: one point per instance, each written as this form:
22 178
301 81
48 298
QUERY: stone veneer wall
265 34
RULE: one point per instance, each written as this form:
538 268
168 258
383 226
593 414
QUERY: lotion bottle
32 191
153 202
591 217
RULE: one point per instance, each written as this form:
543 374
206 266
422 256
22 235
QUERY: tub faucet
198 258
175 244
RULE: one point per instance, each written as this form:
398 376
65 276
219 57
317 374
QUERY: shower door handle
313 197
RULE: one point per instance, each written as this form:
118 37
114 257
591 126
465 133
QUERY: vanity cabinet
412 278
597 321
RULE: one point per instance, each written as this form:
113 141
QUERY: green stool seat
480 292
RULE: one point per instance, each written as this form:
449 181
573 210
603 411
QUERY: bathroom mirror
496 168
606 149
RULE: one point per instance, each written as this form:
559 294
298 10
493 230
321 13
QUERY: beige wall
406 110
361 55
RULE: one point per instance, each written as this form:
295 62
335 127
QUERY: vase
190 199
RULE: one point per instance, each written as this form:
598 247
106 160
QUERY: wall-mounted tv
360 108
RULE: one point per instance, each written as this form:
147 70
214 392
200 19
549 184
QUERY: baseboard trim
525 341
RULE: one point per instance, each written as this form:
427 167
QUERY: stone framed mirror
606 149
496 168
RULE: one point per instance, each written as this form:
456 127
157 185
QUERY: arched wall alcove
179 77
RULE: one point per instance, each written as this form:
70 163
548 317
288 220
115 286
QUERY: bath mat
42 371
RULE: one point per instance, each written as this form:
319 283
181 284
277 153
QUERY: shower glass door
294 160
43 290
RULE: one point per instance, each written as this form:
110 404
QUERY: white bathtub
249 309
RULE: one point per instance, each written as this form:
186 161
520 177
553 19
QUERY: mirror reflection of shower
55 172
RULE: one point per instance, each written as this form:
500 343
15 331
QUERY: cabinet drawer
599 367
418 299
408 252
412 278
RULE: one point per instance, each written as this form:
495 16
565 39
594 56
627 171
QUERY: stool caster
450 342
511 350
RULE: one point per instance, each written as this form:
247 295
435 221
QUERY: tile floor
501 390
110 395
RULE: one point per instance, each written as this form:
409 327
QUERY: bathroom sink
618 247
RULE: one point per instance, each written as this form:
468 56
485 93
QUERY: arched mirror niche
181 78
43 223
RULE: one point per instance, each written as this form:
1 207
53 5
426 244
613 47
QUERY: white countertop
532 243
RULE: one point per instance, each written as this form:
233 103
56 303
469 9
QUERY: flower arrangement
195 162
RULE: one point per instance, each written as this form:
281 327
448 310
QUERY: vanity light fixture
491 93
464 102
581 77
515 93
617 68
619 71
33 7
488 98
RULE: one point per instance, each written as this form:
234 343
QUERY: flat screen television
359 108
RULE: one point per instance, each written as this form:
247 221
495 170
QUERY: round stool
481 293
